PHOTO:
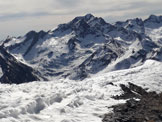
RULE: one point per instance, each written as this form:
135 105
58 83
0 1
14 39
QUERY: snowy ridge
73 101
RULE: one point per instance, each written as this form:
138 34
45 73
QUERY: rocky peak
154 19
88 17
136 25
82 23
81 19
139 21
32 34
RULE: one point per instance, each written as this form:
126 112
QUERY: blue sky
17 17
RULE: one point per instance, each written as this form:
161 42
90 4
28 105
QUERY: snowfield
66 100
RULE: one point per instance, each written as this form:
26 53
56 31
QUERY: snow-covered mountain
87 45
104 55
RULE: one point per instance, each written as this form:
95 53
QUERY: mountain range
81 48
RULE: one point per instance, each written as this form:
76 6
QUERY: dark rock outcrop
15 71
147 109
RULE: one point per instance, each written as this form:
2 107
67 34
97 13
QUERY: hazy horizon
17 17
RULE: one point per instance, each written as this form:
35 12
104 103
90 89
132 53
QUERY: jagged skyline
19 16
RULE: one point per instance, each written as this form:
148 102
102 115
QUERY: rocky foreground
142 106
